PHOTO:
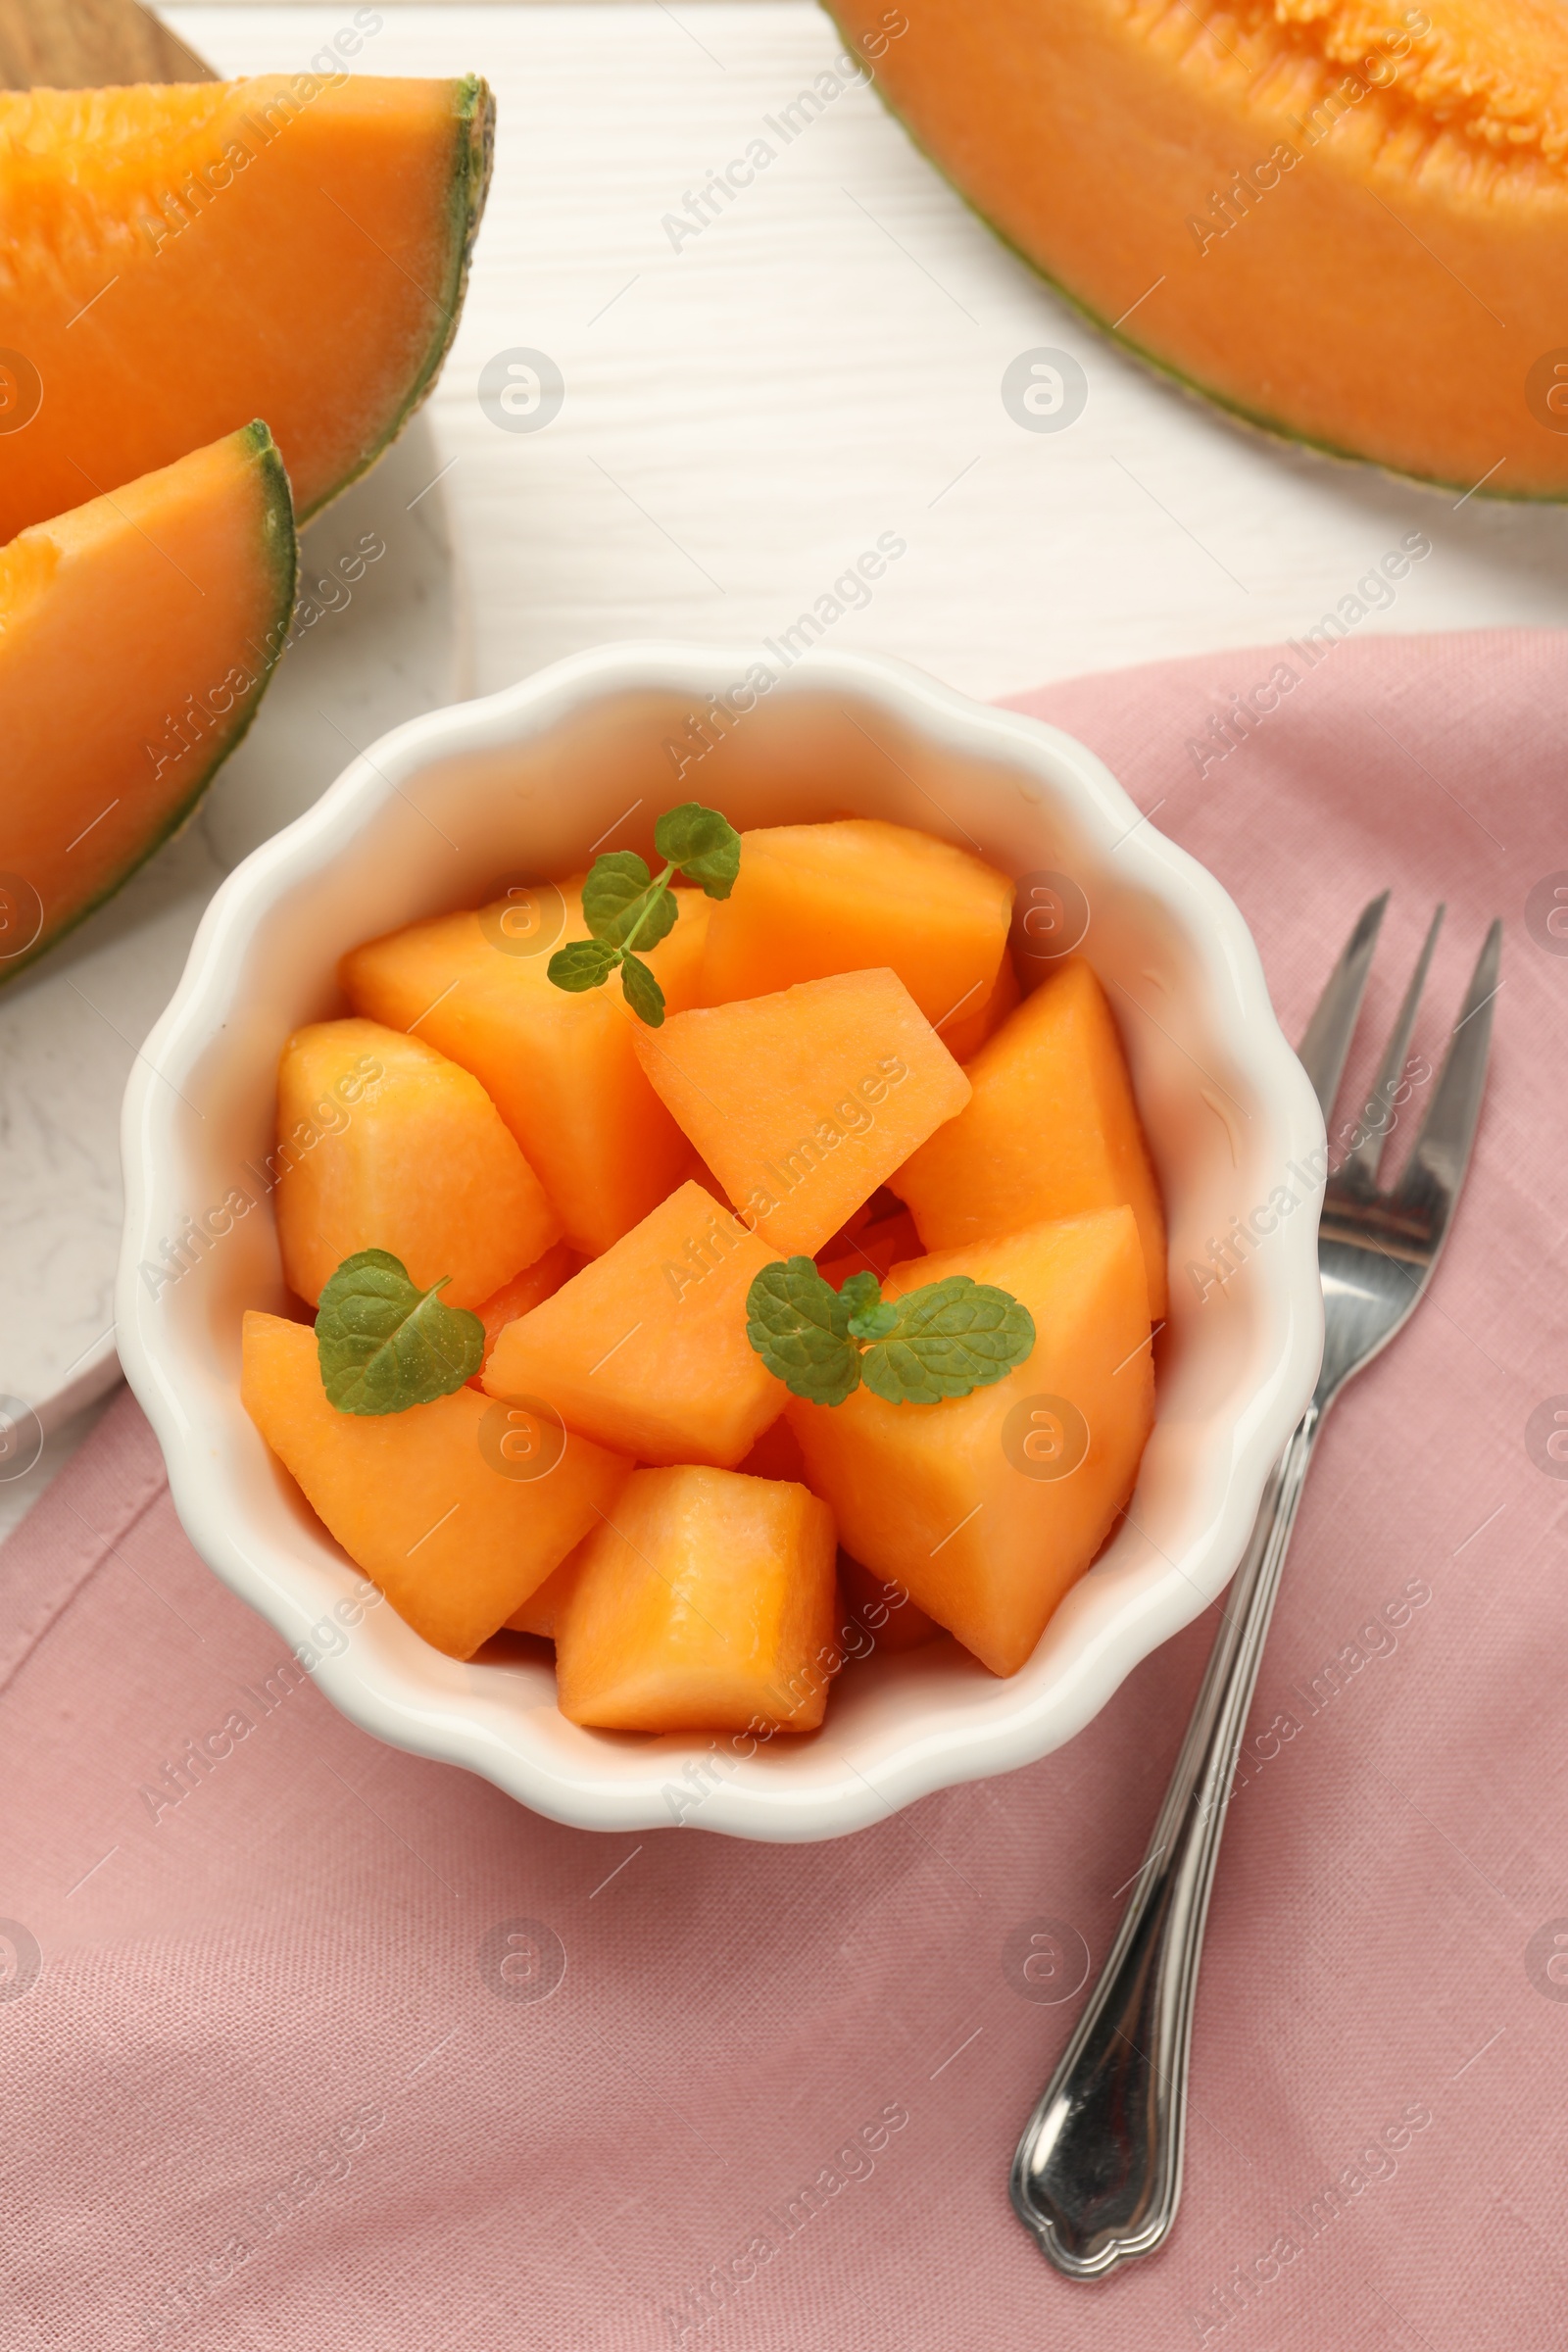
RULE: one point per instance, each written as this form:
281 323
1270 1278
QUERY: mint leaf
869 1314
643 992
798 1325
703 845
861 1291
584 964
948 1338
384 1344
615 887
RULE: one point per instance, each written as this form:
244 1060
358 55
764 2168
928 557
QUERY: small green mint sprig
944 1339
384 1344
625 906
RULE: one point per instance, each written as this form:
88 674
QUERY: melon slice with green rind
1346 224
183 257
136 636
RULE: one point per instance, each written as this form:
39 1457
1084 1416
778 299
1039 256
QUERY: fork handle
1098 2174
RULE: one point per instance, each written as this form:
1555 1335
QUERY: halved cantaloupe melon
396 1147
1347 223
813 900
705 1604
646 1348
1050 1130
803 1103
562 1069
182 257
988 1507
424 1505
137 634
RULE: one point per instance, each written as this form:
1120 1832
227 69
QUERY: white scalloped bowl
526 781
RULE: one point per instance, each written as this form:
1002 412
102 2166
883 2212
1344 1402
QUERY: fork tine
1361 1164
1435 1170
1323 1049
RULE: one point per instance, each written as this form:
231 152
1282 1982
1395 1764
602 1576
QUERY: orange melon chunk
803 1103
539 1281
559 1069
646 1348
966 1503
425 1502
853 895
182 585
541 1611
705 1604
391 1147
182 257
1052 1130
966 1032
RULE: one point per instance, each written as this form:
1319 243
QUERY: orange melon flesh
1198 175
967 1033
946 1497
419 1499
562 1069
524 1292
856 895
706 1605
542 1609
803 1103
180 258
646 1348
136 637
1052 1130
389 1146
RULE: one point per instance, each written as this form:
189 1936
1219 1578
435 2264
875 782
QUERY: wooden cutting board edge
90 44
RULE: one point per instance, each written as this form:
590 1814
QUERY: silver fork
1098 2174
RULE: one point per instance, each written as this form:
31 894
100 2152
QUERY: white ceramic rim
1116 1622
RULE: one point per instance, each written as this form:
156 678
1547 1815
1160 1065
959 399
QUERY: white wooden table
748 408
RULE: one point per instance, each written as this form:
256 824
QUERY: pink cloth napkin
275 2075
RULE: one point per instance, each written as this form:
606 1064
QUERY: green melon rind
279 546
1270 428
474 144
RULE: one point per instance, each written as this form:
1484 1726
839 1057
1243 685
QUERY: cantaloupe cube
558 1067
427 1502
851 896
387 1145
988 1507
706 1605
540 1611
646 1348
802 1103
1052 1130
982 1016
524 1291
